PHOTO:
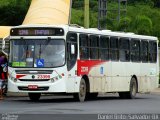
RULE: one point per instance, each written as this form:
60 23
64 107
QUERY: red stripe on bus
84 66
19 76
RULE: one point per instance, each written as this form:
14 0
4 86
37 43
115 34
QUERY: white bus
82 62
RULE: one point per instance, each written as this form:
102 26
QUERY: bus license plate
32 87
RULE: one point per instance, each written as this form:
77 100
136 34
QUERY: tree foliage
142 25
124 24
12 12
77 17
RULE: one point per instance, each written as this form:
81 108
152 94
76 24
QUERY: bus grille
33 80
38 89
37 71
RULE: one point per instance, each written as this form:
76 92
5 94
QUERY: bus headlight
52 80
13 79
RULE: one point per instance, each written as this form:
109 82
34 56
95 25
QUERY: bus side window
104 48
114 51
124 52
144 51
135 50
94 47
152 52
84 48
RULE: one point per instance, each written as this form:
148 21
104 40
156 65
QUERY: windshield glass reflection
37 53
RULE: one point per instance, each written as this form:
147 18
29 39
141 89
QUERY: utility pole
103 9
120 10
102 12
86 13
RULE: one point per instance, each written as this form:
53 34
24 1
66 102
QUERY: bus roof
112 33
94 31
4 31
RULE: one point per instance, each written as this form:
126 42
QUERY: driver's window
71 56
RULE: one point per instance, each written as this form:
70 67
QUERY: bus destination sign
37 32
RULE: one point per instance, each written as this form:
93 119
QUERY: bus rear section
115 62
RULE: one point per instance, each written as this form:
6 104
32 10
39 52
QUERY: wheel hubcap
134 89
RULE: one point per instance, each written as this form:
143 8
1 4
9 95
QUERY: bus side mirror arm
3 44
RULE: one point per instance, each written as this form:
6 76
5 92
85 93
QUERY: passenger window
104 48
124 49
152 52
84 48
114 52
144 51
94 47
135 50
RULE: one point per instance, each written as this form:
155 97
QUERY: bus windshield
37 53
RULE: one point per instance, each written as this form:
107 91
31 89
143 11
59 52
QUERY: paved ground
65 108
60 107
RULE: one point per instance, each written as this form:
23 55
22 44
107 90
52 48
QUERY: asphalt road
65 107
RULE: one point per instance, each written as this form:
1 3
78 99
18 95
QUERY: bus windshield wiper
40 51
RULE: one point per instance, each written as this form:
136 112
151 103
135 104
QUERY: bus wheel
34 96
82 91
133 89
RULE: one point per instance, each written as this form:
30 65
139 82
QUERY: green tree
77 17
156 31
142 25
124 24
93 19
12 12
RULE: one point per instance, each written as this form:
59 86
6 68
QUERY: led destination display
37 32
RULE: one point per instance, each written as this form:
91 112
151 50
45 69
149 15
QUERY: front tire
34 96
81 96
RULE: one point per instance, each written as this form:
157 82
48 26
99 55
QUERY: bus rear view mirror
72 49
3 44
